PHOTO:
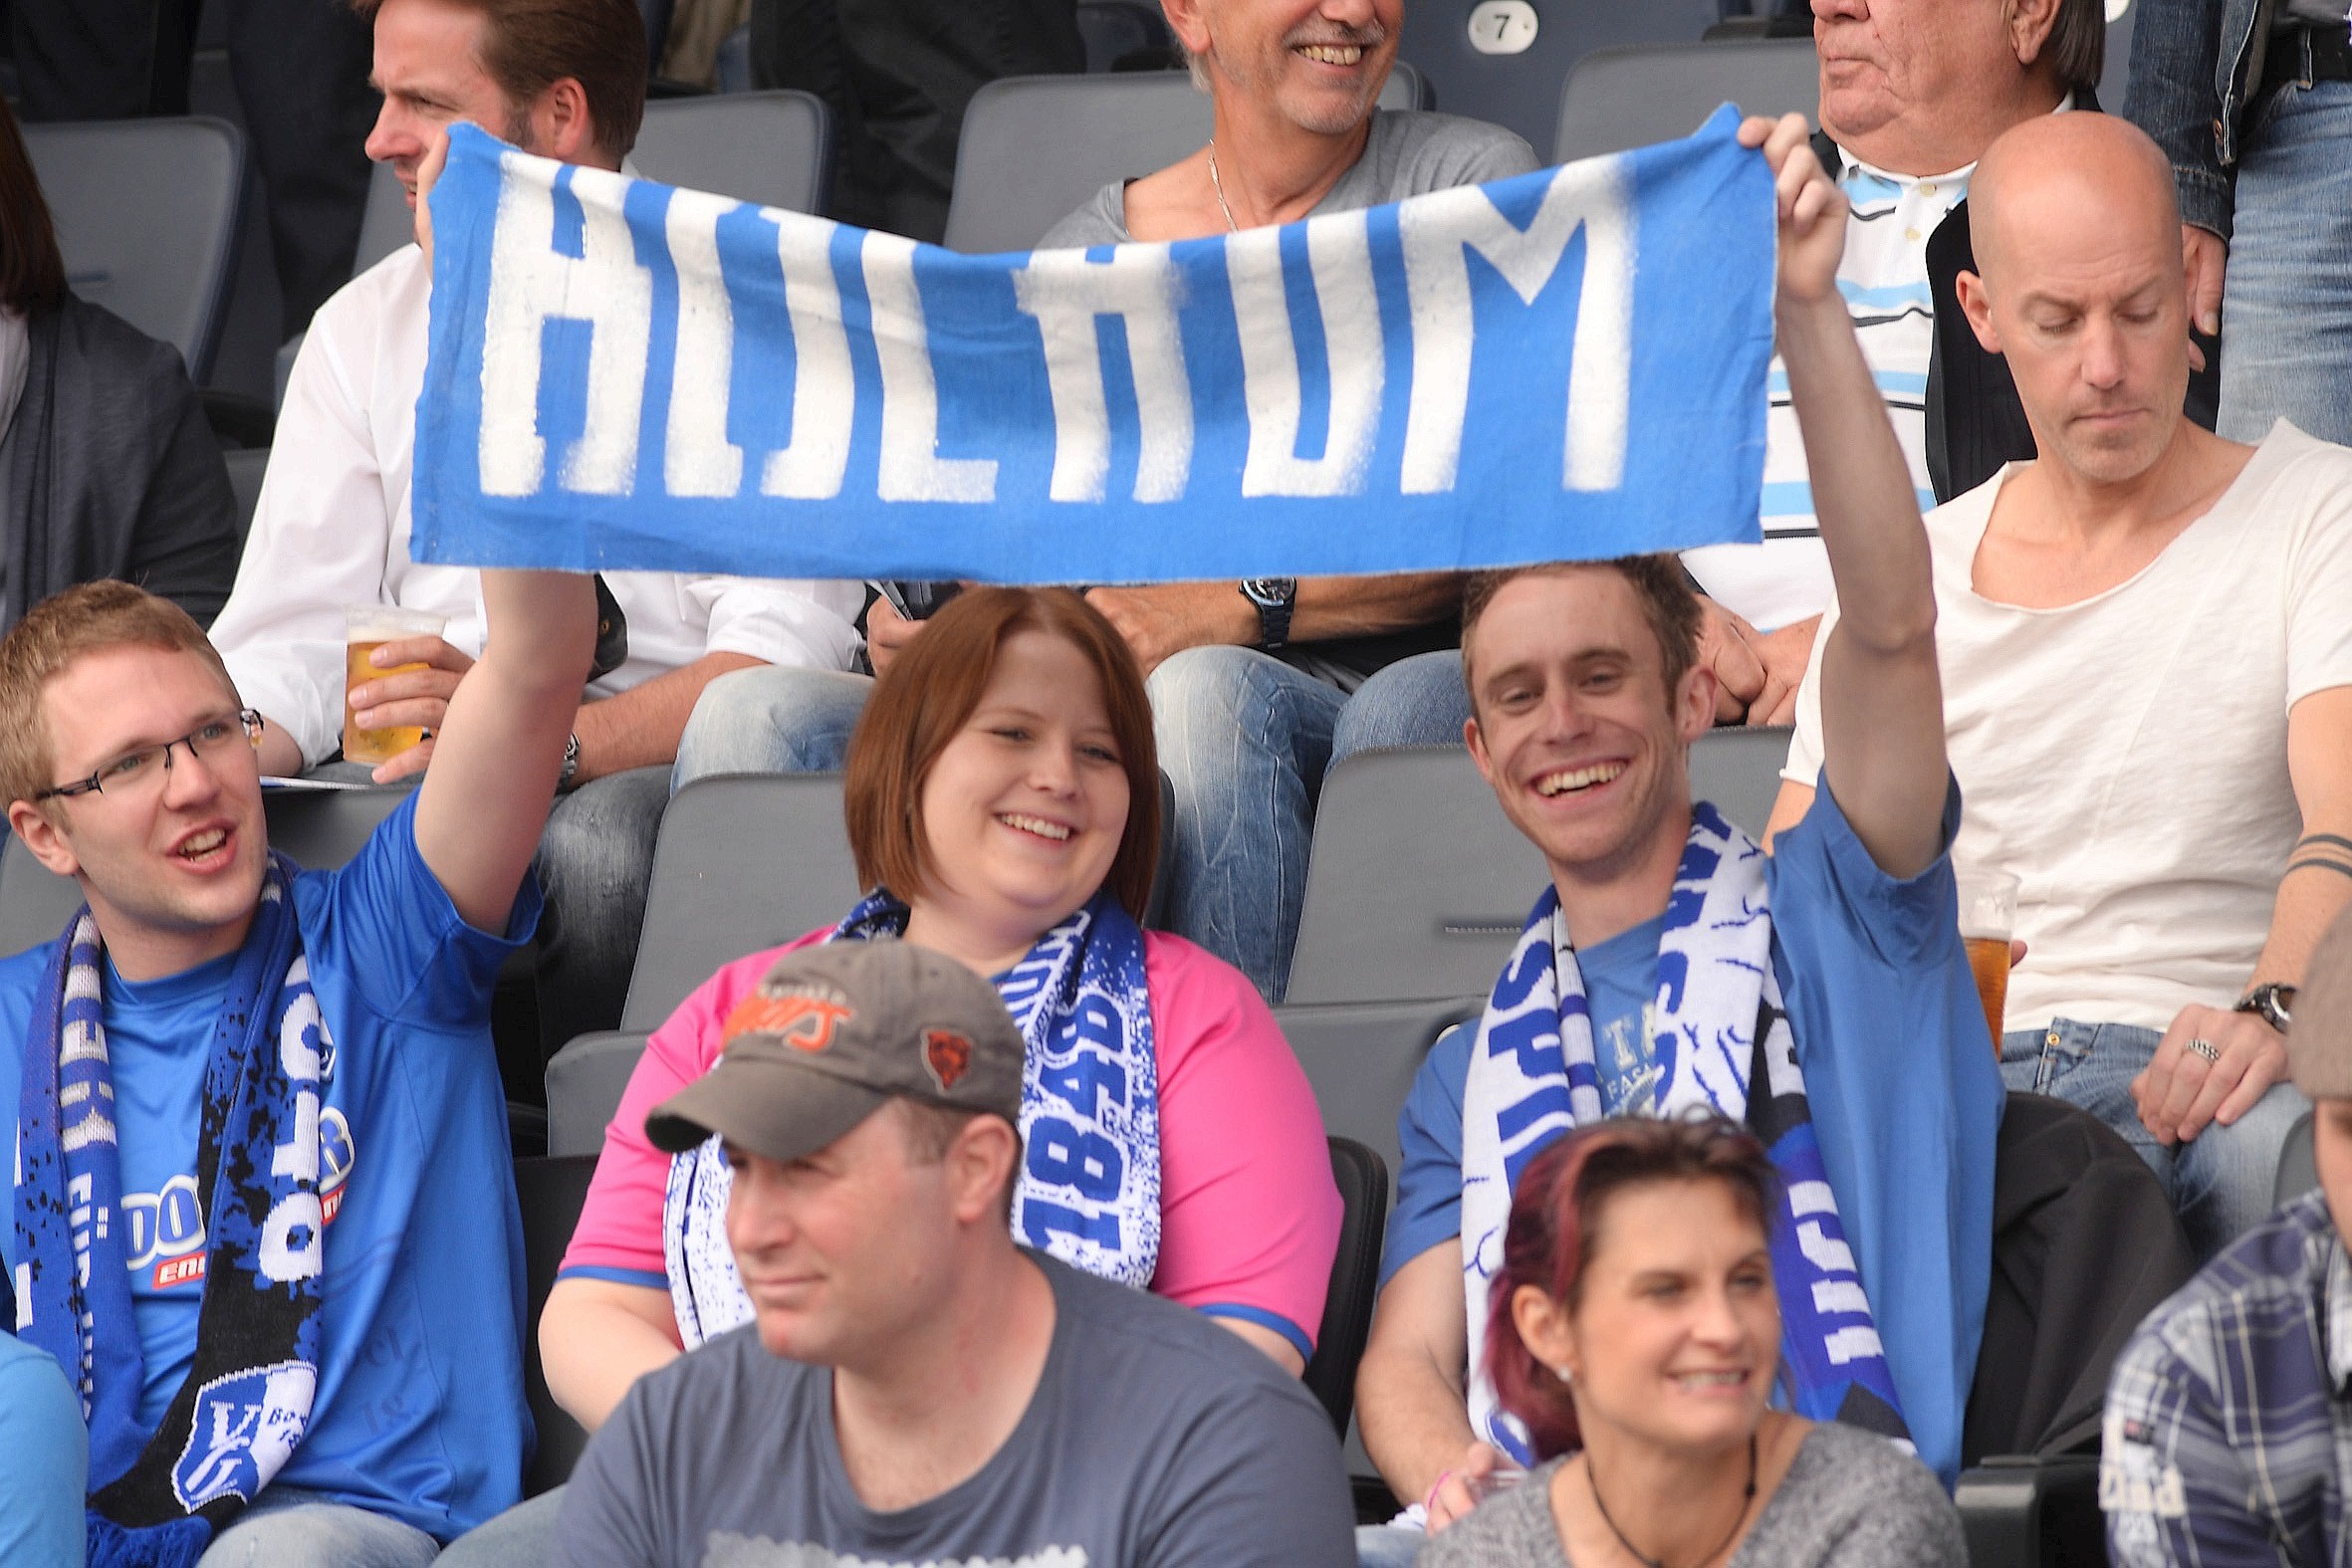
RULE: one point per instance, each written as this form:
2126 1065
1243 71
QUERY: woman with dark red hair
1636 1335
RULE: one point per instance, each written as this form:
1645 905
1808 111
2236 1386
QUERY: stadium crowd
994 1221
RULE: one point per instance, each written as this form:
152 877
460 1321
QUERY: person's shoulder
1845 1480
1099 220
1163 1350
1433 151
20 972
1864 1460
1174 968
2281 1262
1514 1527
100 337
2315 474
399 285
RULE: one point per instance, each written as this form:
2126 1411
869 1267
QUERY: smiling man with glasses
252 1101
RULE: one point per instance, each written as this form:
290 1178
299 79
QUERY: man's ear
1977 305
2031 25
980 1165
561 125
43 837
1694 703
1475 738
1185 21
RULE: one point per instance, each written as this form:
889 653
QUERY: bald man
2145 642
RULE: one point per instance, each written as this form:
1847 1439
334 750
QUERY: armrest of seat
584 1082
2022 1511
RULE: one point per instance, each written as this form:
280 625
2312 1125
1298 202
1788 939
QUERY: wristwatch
570 762
1274 597
2271 1003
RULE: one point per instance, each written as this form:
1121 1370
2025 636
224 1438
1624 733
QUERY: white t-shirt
332 529
2125 756
1883 275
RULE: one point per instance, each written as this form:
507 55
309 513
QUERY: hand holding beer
1988 917
398 675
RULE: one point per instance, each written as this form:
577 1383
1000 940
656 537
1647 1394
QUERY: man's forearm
2315 889
1332 607
280 758
1415 1425
639 728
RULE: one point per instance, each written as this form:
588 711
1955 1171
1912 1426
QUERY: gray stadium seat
584 1083
113 187
1036 147
318 829
1418 885
1615 99
774 148
1521 91
2297 1173
247 465
1361 1058
2115 77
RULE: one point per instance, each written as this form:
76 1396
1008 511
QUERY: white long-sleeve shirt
331 530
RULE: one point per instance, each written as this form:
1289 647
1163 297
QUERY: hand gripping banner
1566 364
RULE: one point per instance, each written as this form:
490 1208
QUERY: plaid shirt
2228 1428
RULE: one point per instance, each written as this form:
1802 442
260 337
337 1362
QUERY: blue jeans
1244 739
1387 1546
290 1528
2220 1182
2286 300
522 1537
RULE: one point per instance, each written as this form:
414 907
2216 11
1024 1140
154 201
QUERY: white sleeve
799 621
2319 598
319 540
1803 766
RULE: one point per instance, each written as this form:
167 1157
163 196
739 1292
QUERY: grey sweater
1849 1501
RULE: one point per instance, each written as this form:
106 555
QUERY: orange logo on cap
806 1022
948 1055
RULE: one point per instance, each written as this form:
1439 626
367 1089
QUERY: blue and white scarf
1720 1024
156 1498
1089 1190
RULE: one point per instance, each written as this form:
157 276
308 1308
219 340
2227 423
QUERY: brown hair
1668 602
32 273
1556 1227
2077 48
528 45
932 688
86 618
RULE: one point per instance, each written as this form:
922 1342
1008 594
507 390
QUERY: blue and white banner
1566 364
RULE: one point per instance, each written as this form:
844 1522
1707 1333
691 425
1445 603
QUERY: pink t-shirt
1249 1213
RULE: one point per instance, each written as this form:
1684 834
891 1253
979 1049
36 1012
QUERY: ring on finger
2206 1048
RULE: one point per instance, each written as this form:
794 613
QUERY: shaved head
2053 183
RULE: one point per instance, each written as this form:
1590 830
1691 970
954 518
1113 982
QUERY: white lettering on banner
1438 232
1839 1298
1853 1344
532 285
911 467
1811 1197
1825 1251
1067 293
280 1258
1339 255
825 391
698 459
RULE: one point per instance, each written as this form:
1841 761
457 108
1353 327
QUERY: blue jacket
2195 65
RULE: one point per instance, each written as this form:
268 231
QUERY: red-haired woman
1636 1335
1003 800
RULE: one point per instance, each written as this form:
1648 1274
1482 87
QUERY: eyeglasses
137 771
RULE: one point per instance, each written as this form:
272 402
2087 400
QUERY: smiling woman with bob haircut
1636 1336
1003 804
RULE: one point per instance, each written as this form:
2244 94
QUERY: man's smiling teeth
1334 54
1035 824
1568 778
204 844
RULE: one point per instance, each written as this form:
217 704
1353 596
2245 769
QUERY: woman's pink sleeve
1249 1213
618 1236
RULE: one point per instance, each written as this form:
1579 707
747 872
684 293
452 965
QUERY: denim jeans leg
770 719
596 864
1387 1546
1418 701
2090 1065
522 1537
2227 1178
286 1528
2287 301
1244 740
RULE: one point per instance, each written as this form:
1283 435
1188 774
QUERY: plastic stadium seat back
773 149
1616 98
146 215
246 466
1739 769
550 1193
1355 1276
2297 1172
584 1083
321 830
1521 91
745 861
1360 1058
2115 75
1036 147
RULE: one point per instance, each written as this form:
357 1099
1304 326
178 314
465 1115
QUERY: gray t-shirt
1850 1499
1154 1439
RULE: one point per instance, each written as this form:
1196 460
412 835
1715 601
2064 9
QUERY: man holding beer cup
2145 642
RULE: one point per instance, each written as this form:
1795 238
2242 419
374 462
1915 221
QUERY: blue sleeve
2174 94
43 1482
386 925
1429 1176
1906 1097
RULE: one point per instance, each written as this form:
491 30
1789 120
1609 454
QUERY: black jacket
109 470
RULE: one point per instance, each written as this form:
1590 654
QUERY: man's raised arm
482 804
1882 707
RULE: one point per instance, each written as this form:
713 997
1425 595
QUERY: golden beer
372 746
1988 961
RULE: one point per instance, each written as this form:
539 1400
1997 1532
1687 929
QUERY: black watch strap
1275 599
2270 1001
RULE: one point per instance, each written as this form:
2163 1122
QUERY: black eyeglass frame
96 783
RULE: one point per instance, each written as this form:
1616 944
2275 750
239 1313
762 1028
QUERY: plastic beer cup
368 627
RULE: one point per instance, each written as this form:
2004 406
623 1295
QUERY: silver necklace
1217 186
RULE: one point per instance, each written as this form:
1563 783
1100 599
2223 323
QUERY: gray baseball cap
2319 1043
835 1032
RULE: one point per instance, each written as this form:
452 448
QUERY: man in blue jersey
262 1213
1822 996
